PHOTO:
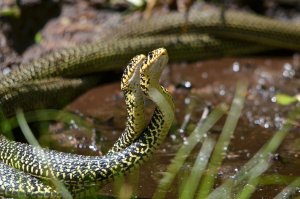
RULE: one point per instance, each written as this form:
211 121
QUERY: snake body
130 85
235 25
77 169
73 64
65 68
207 35
43 92
20 184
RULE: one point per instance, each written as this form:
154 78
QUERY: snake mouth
155 63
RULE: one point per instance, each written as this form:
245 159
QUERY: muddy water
196 85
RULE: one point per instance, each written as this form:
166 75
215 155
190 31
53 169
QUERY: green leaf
13 11
285 100
38 37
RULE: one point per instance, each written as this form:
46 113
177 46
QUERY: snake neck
135 119
161 97
130 85
135 111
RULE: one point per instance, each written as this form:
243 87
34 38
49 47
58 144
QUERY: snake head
131 73
153 67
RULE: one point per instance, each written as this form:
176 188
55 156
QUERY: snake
206 36
78 169
234 25
134 100
72 65
132 92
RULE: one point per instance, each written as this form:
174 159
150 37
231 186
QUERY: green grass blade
276 179
289 190
196 136
191 184
262 155
32 140
223 142
45 115
25 128
248 189
254 175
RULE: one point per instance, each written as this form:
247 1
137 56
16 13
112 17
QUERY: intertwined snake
86 170
46 77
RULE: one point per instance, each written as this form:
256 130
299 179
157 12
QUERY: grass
196 137
243 183
32 140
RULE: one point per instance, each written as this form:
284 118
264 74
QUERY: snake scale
207 35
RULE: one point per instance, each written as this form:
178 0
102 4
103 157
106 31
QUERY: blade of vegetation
253 180
195 137
248 189
14 11
6 130
45 115
289 190
25 128
285 100
32 140
262 155
191 184
276 179
223 141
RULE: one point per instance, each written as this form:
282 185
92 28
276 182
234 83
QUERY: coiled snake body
86 170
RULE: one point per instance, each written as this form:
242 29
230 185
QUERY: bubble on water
236 67
73 125
288 71
187 84
187 100
173 137
93 147
6 71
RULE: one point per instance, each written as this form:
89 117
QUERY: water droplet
188 84
187 100
288 71
173 137
73 125
222 92
6 71
93 147
266 125
236 66
274 99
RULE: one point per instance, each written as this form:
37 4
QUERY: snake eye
150 55
145 61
